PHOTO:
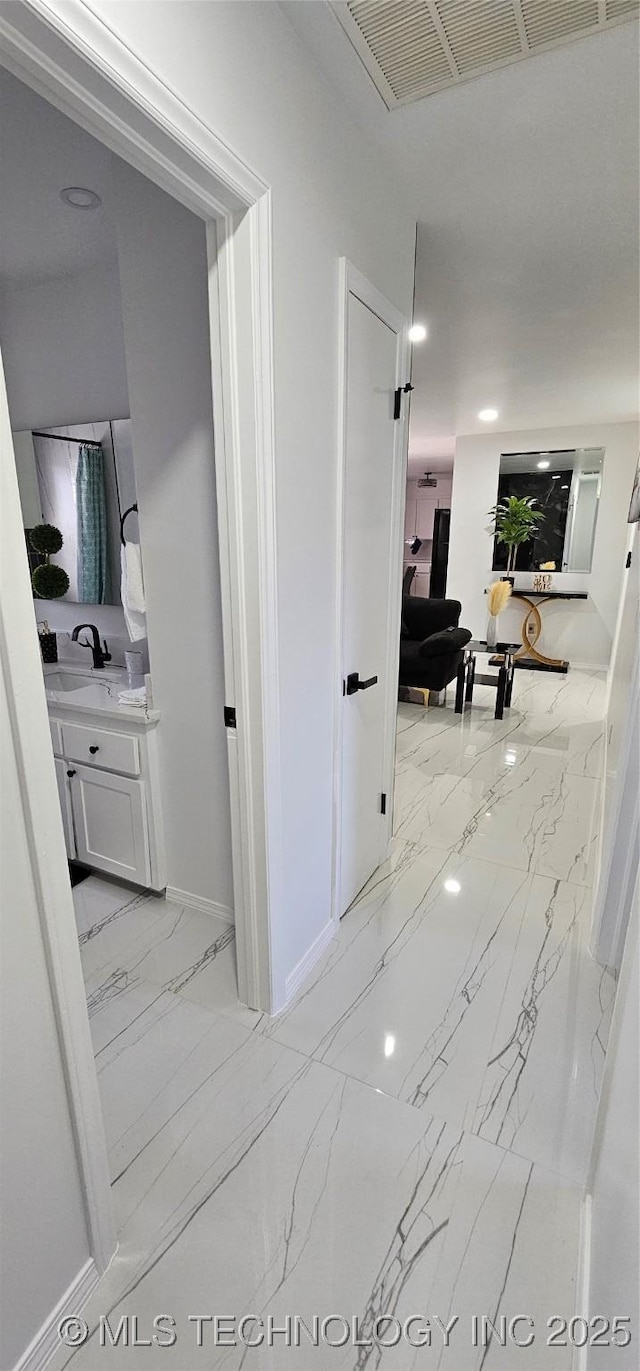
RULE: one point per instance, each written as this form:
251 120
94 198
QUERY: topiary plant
46 538
49 581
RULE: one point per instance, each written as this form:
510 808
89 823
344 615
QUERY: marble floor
410 1139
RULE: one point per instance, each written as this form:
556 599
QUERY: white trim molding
211 907
306 964
46 1343
352 282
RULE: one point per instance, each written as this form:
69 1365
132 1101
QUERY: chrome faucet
99 656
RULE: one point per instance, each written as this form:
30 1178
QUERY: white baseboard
46 1343
313 954
212 907
589 666
583 1279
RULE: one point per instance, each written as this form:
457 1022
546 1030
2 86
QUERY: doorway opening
106 354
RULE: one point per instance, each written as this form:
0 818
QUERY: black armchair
431 644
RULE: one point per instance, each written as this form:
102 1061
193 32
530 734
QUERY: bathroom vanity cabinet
107 772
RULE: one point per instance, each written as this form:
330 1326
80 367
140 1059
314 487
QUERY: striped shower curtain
92 525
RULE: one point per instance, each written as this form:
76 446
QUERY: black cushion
422 617
448 640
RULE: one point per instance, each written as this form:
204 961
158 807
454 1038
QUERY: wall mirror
565 486
80 478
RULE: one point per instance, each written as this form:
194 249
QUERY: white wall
63 350
244 72
614 1276
45 1243
63 353
163 263
581 631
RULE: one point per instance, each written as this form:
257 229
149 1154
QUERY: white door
372 563
110 820
65 805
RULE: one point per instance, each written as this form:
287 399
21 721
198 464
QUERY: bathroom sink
67 680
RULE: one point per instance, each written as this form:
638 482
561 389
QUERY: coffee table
501 658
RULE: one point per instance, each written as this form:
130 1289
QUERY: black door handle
94 748
354 683
70 774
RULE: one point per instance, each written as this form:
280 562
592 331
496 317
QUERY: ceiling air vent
413 48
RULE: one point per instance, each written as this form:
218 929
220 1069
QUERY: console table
528 656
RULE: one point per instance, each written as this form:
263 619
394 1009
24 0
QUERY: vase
48 647
492 631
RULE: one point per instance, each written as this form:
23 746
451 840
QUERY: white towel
137 697
132 591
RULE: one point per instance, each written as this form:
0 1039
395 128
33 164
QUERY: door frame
66 53
353 282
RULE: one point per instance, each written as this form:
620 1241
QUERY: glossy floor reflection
411 1136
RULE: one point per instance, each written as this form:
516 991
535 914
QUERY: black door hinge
383 803
397 398
229 716
628 561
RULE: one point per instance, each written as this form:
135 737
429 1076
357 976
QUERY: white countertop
99 696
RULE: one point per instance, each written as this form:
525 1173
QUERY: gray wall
63 350
163 265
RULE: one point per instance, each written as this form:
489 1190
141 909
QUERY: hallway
411 1137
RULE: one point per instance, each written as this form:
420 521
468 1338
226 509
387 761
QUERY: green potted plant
514 522
49 581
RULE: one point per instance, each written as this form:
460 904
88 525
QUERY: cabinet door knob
94 748
71 773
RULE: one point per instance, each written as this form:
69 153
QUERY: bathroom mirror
80 478
565 486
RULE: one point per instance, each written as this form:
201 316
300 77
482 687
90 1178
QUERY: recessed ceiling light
488 415
417 333
452 886
79 197
389 1045
542 466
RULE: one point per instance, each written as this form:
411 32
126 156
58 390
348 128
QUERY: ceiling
524 183
41 152
418 47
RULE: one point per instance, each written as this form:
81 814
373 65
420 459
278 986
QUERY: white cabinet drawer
56 737
96 746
